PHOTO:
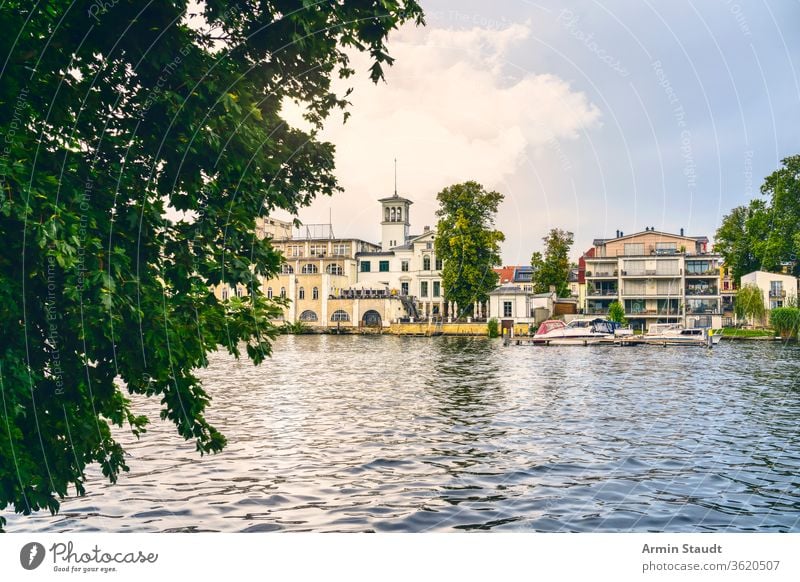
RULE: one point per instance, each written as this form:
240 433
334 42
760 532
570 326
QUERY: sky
588 116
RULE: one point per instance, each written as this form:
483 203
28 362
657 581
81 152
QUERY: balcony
601 292
692 290
777 293
607 274
652 273
710 272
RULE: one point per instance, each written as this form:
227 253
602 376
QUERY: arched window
269 292
301 294
238 291
224 293
334 269
400 214
308 315
315 293
283 291
426 263
340 315
287 270
387 214
394 213
309 269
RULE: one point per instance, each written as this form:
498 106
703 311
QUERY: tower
394 221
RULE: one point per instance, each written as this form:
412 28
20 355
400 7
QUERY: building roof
602 241
375 253
395 198
506 274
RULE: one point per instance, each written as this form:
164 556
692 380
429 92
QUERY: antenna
395 177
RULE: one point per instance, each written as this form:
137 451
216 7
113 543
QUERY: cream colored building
659 277
777 289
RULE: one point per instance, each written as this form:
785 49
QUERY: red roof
506 274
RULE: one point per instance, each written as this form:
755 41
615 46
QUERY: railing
651 273
706 273
776 294
601 274
703 291
601 292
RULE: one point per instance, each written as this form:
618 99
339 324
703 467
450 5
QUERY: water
445 434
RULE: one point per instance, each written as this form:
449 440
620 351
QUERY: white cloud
453 109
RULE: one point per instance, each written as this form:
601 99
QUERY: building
521 276
727 291
778 289
659 277
508 302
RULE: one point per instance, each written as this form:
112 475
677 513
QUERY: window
315 293
301 294
319 249
283 291
308 315
423 289
365 267
269 292
666 248
334 269
426 263
399 215
341 249
387 215
775 288
383 266
404 288
238 291
634 248
287 270
340 315
438 264
437 288
698 268
404 266
295 250
507 308
429 245
224 293
310 269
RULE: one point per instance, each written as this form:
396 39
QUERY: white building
510 302
776 288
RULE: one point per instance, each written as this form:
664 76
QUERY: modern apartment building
659 277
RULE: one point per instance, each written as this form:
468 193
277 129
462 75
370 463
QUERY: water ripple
410 434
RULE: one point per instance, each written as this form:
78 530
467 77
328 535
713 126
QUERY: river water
361 433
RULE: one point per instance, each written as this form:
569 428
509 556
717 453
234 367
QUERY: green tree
734 238
552 269
467 243
749 304
765 235
786 321
138 152
616 312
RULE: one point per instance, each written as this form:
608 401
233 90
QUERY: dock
623 341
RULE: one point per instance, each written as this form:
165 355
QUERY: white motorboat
582 331
676 334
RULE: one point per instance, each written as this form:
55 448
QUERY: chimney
426 229
681 231
621 233
617 233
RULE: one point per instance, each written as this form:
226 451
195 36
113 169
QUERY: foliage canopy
467 243
138 151
552 269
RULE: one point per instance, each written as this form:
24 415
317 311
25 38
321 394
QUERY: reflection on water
412 434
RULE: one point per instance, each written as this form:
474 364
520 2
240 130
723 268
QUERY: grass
736 332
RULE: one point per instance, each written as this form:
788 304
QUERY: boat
582 331
676 334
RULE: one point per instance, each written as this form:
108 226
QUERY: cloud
453 108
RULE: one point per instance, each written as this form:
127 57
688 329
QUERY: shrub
785 321
493 328
616 312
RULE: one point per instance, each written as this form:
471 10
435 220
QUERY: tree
553 268
616 312
749 304
765 235
138 152
467 243
733 239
